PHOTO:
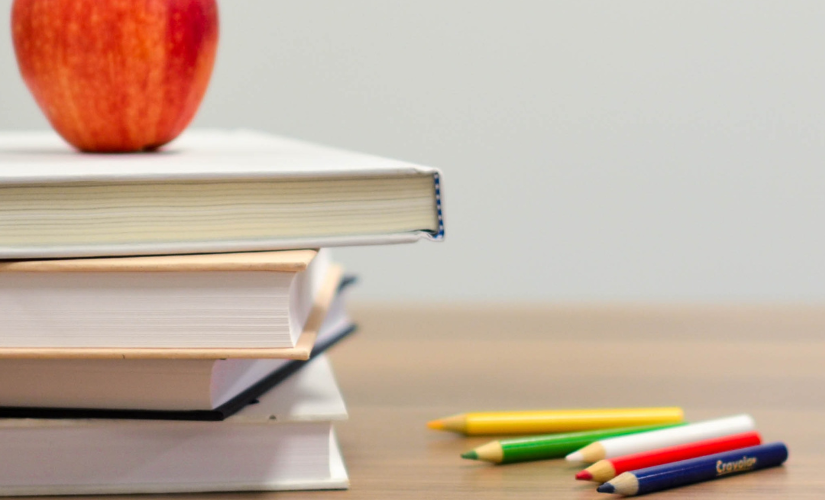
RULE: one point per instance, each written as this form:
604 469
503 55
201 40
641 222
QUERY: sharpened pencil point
472 455
606 488
436 425
575 457
584 476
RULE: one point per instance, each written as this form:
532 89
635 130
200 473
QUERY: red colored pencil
605 470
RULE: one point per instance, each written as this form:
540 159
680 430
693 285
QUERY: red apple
116 75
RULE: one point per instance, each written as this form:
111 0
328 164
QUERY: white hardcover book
285 442
241 300
208 191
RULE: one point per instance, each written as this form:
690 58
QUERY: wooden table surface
407 366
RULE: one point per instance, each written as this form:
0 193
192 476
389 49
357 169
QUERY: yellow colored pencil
549 421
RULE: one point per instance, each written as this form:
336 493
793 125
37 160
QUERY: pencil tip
606 488
575 457
436 425
472 455
584 476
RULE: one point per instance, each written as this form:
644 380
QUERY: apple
116 75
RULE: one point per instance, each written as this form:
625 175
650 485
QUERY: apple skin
116 75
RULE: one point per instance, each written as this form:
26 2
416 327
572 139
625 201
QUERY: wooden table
409 365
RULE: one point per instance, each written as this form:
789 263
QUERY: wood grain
409 365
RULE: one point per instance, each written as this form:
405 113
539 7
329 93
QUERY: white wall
635 150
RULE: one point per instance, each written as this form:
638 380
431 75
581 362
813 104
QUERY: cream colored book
250 305
285 442
208 191
172 389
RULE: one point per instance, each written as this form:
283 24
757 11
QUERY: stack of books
165 316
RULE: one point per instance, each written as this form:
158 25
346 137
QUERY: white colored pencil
646 441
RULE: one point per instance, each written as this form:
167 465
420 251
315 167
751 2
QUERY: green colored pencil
549 445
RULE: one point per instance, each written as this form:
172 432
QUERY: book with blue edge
208 191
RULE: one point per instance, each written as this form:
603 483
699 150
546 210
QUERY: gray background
633 151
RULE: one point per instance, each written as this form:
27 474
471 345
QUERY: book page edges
292 261
301 351
199 247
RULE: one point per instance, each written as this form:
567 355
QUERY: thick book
285 442
155 389
250 305
208 191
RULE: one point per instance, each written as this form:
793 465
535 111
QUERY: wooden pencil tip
606 488
472 455
437 425
576 456
584 476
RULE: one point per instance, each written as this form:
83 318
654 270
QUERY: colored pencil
695 470
542 422
605 470
637 443
549 445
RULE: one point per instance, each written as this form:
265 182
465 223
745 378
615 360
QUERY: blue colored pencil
695 470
